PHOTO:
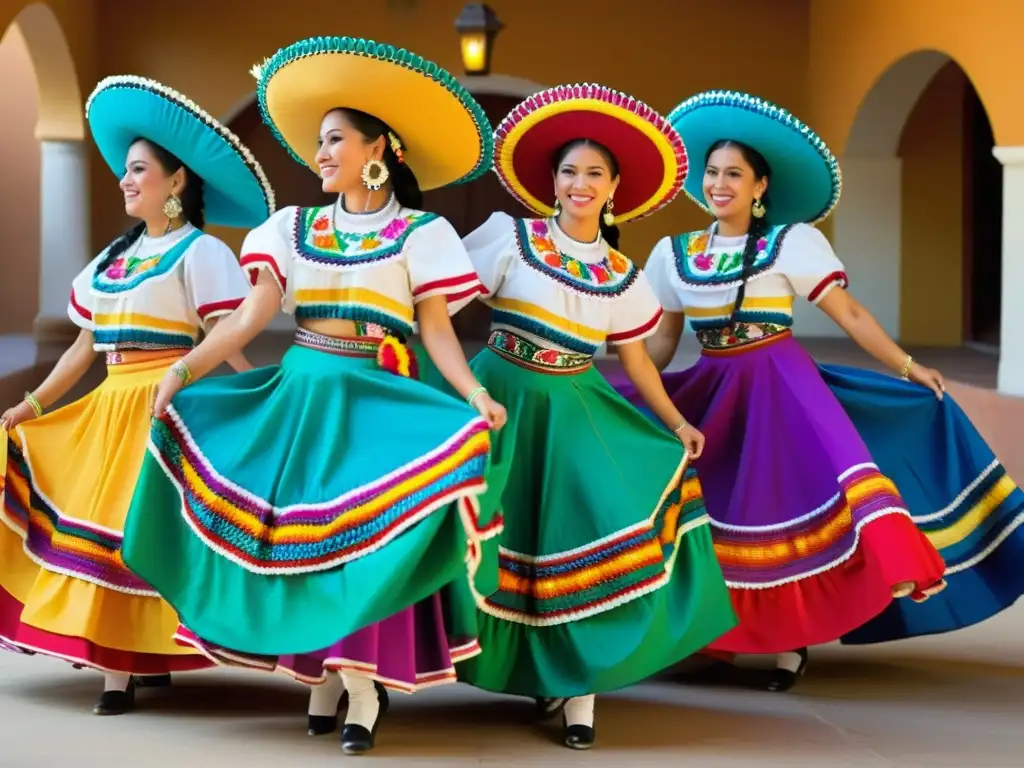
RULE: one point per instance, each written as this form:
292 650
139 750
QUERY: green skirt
283 508
607 569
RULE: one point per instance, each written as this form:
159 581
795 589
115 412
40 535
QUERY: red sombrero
650 153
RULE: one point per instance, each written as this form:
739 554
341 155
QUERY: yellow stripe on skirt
64 589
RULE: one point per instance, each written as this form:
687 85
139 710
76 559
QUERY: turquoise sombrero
124 108
445 135
806 180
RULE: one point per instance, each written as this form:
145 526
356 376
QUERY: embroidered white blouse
699 273
160 293
371 268
557 292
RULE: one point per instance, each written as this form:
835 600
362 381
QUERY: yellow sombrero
649 151
445 135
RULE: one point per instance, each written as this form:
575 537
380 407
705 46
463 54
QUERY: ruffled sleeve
439 266
659 270
80 303
269 247
636 314
215 282
809 263
491 247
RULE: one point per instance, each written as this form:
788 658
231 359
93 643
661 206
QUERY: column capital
1009 156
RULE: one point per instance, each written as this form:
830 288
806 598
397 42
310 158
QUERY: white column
866 237
1011 350
64 232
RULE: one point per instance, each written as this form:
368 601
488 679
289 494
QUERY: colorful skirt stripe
958 494
284 512
64 588
812 536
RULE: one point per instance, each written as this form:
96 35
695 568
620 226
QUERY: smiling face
731 183
343 151
146 183
585 177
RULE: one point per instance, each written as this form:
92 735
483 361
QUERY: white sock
363 704
579 710
324 698
789 661
115 681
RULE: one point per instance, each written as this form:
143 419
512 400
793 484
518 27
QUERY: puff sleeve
80 303
439 266
214 281
660 271
490 247
269 247
809 263
636 314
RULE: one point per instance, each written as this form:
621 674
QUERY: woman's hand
927 377
692 438
12 417
491 410
165 392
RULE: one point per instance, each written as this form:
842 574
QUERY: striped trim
216 308
254 262
455 288
640 332
822 289
82 311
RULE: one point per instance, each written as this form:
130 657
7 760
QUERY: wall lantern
477 25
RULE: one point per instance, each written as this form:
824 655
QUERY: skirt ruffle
289 507
607 571
64 588
811 535
957 491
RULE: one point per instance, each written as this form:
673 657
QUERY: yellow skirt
64 589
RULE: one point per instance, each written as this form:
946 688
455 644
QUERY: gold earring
375 173
758 211
558 206
172 207
608 216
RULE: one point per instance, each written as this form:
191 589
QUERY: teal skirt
283 508
607 572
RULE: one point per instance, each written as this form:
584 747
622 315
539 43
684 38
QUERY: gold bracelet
905 372
181 370
37 407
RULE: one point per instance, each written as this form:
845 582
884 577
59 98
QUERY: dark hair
403 180
191 197
609 233
758 227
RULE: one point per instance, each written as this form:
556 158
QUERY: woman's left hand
927 377
165 392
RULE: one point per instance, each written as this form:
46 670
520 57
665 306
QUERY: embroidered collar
607 278
129 271
699 264
317 239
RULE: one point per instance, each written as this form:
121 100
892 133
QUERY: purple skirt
405 652
810 535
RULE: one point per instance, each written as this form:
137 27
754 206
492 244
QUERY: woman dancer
64 589
303 517
809 511
607 569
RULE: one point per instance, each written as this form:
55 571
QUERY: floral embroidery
516 346
609 278
738 334
128 272
316 240
698 266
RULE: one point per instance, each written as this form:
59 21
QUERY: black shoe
577 736
356 739
549 708
321 725
152 681
116 702
782 679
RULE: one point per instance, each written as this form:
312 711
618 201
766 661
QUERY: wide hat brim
806 180
124 108
446 138
649 151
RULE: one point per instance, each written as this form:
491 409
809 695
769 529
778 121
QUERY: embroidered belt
391 352
527 354
118 357
740 337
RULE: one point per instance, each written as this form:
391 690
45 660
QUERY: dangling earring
758 210
608 217
375 173
558 207
172 207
